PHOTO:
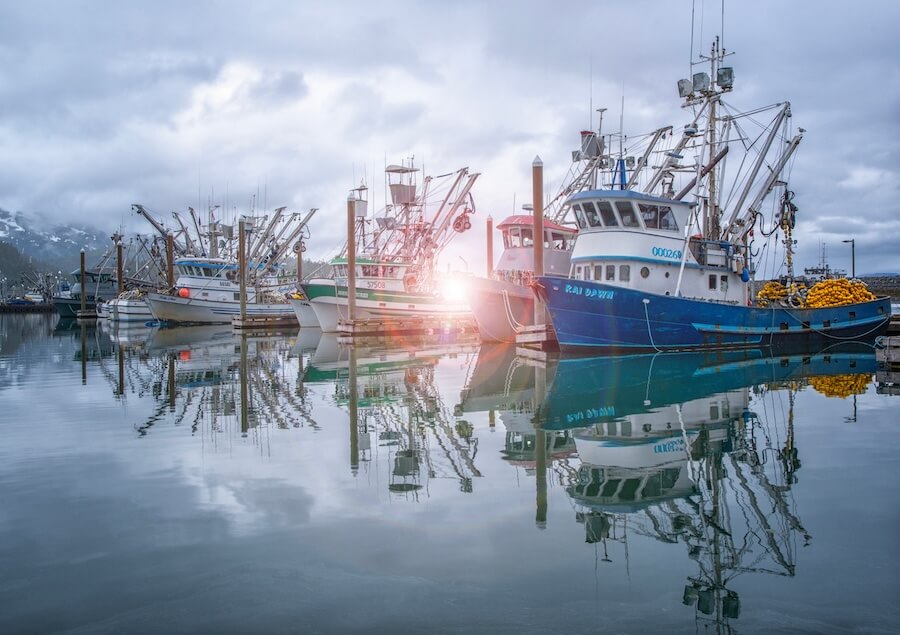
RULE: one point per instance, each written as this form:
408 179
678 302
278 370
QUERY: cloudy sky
171 103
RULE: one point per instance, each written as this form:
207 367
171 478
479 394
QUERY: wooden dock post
170 260
537 202
83 286
242 266
120 269
539 339
84 313
351 257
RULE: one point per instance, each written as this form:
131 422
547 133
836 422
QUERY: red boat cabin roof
526 219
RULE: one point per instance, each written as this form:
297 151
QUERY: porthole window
645 272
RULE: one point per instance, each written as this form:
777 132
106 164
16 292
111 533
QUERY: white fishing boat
208 292
304 311
397 252
207 289
130 306
382 291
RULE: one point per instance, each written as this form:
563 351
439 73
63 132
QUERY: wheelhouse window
590 212
598 272
606 211
558 241
587 272
610 272
626 213
667 218
527 236
650 215
579 216
624 273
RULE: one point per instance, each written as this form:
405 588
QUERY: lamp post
852 242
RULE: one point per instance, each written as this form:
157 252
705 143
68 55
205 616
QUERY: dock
26 308
266 322
887 377
537 342
348 330
894 325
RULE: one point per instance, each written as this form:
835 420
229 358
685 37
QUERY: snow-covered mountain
50 242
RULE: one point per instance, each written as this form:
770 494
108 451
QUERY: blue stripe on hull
591 315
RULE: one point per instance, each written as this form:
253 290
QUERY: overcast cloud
167 103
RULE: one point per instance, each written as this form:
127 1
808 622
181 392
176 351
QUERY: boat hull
306 316
69 307
167 308
119 310
500 308
591 316
329 302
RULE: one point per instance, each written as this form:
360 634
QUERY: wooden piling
120 269
170 260
83 286
537 202
242 267
351 257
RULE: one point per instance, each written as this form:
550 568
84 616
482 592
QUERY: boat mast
712 221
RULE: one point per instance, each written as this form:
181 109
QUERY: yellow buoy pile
826 293
772 291
775 292
841 385
837 292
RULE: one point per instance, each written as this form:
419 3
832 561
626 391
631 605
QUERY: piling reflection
397 412
216 381
503 385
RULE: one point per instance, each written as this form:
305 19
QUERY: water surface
192 480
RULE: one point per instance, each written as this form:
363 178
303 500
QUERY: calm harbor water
189 479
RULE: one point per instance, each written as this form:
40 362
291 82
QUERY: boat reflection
687 449
503 385
217 381
397 413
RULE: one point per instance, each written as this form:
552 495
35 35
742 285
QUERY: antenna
590 95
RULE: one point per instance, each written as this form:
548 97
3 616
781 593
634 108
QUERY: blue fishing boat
668 262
